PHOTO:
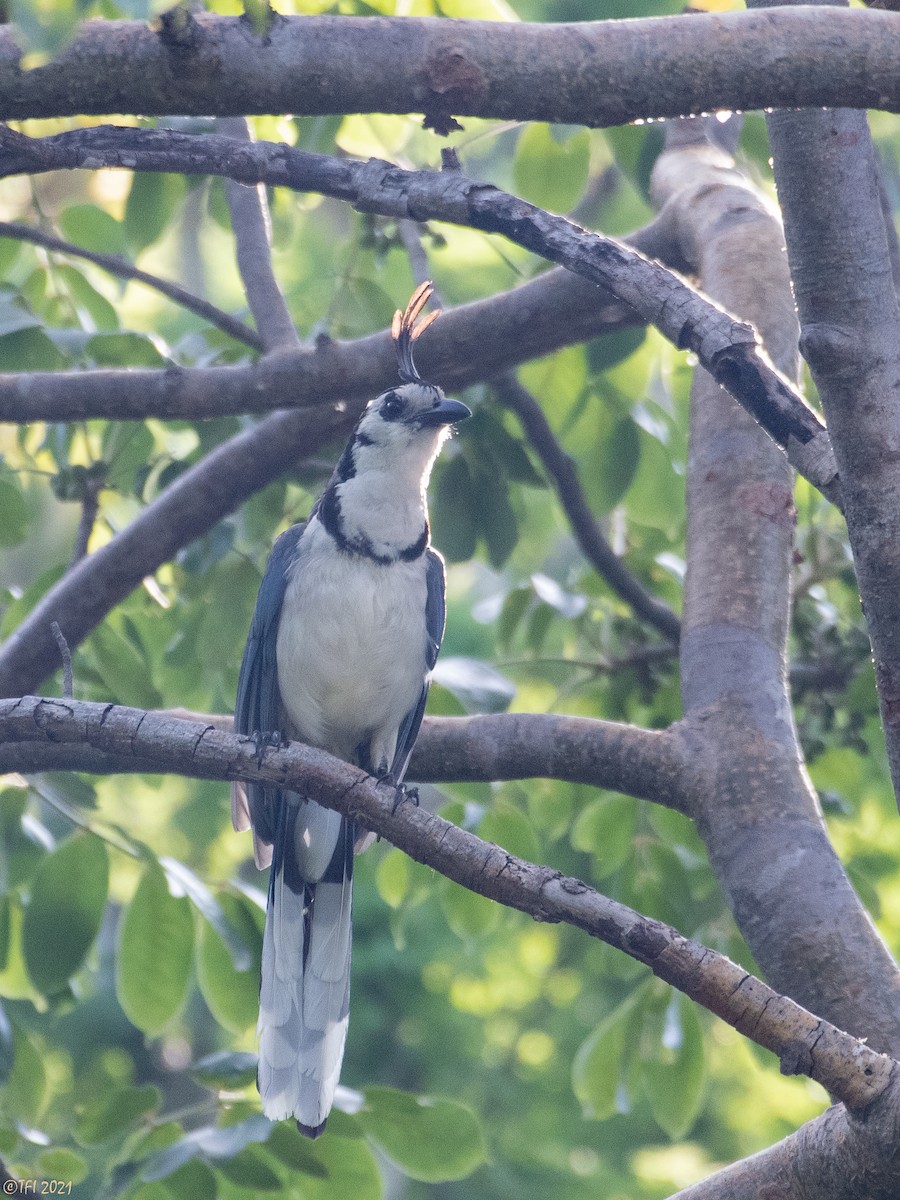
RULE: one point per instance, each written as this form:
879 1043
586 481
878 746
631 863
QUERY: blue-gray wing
258 705
435 619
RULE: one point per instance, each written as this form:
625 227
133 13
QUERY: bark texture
592 73
754 804
827 180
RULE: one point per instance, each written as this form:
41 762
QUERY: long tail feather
305 988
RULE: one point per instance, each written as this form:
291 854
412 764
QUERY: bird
345 634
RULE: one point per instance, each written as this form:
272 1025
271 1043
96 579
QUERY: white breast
351 648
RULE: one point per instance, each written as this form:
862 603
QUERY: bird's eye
392 407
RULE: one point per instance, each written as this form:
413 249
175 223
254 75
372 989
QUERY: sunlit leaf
108 1114
65 907
674 1081
552 171
153 959
595 1070
468 914
231 990
92 228
429 1139
26 1088
150 207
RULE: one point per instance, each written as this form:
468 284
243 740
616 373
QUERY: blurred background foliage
490 1057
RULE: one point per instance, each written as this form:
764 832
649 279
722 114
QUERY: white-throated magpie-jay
347 628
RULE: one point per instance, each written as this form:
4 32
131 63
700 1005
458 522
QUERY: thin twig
596 549
250 221
124 270
90 506
66 655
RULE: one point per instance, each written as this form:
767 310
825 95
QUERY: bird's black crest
405 328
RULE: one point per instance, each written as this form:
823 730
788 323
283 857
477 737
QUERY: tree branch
252 227
650 764
468 345
754 805
655 67
834 1157
729 349
850 319
124 270
198 498
596 549
804 1044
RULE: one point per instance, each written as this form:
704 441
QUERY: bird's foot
273 740
402 793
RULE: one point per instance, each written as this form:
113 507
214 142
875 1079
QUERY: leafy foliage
516 1058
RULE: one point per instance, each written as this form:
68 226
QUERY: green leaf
153 961
508 826
230 986
123 667
62 1164
128 446
430 1140
30 350
392 878
249 1169
468 914
93 228
101 1117
124 349
230 1069
595 1069
227 915
552 171
96 308
497 522
25 1093
481 10
605 828
13 513
454 520
194 1181
15 315
675 1081
612 348
613 462
150 207
656 494
65 909
4 930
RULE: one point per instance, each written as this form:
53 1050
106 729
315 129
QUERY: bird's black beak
445 412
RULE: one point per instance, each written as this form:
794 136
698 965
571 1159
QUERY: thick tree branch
468 345
647 763
850 319
834 1157
124 270
803 1043
729 349
249 208
205 493
588 534
754 805
657 67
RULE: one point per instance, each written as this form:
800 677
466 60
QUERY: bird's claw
273 740
403 794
